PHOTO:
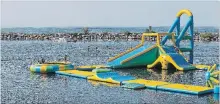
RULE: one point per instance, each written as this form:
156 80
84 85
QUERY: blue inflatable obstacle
178 59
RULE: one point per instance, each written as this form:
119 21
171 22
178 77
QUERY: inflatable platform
133 83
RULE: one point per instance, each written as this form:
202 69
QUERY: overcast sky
106 13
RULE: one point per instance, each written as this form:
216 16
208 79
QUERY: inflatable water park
166 53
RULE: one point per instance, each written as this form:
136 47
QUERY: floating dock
173 87
133 83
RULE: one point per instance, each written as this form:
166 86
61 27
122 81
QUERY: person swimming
41 61
65 58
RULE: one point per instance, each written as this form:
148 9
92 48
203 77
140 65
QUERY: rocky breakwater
109 36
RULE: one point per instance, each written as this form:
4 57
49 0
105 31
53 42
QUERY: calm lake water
19 85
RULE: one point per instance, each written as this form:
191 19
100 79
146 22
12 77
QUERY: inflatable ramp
181 62
110 77
134 57
170 55
176 59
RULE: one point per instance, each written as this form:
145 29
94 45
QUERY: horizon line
95 26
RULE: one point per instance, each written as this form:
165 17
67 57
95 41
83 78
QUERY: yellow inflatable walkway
131 82
76 73
182 88
185 88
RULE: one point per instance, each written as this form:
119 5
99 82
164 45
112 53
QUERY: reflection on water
19 85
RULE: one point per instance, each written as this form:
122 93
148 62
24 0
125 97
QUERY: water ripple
21 86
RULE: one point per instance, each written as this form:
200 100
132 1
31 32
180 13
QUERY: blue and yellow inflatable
51 67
